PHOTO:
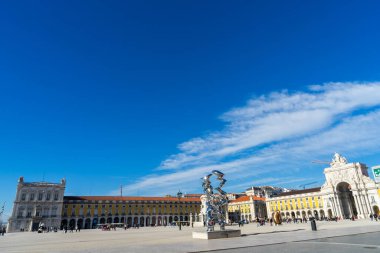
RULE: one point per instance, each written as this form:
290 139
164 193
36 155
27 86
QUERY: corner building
36 203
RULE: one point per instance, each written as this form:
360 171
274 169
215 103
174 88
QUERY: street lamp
179 196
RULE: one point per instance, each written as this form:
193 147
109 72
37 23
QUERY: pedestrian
371 217
375 216
3 231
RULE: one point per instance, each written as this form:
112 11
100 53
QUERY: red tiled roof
247 198
129 198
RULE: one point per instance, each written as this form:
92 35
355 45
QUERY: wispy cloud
275 134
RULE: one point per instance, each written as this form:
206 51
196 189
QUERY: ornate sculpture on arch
338 160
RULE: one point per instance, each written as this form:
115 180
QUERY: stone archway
329 213
147 221
94 222
64 224
346 200
87 223
322 214
80 223
72 224
316 215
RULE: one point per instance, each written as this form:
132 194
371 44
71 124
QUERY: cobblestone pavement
331 237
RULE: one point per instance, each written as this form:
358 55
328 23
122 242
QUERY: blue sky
152 94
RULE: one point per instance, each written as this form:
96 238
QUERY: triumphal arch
348 190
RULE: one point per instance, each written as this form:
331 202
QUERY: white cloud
276 133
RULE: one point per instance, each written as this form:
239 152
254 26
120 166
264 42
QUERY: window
54 211
32 196
40 196
48 196
56 195
23 196
20 212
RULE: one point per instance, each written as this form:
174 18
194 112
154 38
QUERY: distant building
348 192
248 207
37 203
89 211
42 203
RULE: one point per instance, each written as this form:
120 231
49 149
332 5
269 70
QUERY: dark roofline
316 189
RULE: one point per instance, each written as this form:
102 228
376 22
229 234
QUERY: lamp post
179 196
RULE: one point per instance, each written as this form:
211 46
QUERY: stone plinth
217 234
198 224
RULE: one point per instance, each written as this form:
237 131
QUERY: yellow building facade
298 204
246 208
90 211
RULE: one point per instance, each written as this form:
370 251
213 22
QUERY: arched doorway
102 220
122 220
303 214
80 223
316 216
376 210
329 213
135 221
159 223
147 222
170 219
129 221
141 221
63 224
346 200
116 220
322 214
109 220
87 223
72 224
153 221
94 222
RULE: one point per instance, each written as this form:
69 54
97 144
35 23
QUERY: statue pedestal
198 224
217 234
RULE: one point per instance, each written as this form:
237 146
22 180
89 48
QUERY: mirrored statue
215 202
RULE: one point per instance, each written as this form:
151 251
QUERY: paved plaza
342 236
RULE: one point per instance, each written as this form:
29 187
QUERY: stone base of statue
198 224
217 234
